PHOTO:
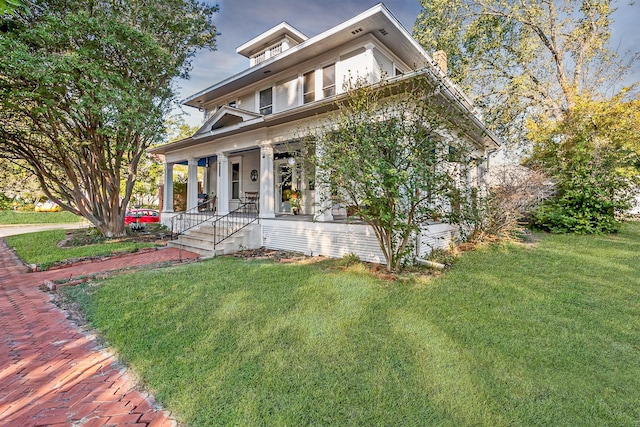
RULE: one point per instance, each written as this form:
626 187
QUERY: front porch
271 178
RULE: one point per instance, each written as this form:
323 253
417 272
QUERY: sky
238 21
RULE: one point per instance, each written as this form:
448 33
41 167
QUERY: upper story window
266 101
309 87
329 81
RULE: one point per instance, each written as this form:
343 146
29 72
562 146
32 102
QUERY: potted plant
295 202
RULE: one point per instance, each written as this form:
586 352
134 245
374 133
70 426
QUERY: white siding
434 236
250 161
247 102
384 66
352 66
287 94
333 239
328 239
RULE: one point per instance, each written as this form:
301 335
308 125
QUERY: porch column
168 188
205 179
223 184
267 186
192 184
323 202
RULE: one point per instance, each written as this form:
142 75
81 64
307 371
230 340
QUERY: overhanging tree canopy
84 88
526 58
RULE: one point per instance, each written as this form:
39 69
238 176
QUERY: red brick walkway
51 373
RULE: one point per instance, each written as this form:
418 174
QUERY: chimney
440 58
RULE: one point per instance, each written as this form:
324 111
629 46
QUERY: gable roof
225 118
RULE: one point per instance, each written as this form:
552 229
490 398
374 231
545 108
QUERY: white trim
235 160
281 30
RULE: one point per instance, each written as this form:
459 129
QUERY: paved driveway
11 230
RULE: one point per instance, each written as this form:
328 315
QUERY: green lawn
13 217
512 336
41 247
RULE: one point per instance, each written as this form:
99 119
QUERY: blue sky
241 20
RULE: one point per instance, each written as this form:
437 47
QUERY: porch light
291 161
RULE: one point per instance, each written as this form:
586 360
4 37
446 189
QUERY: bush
497 212
581 211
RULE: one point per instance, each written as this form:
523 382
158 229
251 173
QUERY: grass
41 248
16 217
512 336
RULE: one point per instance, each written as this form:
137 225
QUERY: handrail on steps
229 224
223 227
191 218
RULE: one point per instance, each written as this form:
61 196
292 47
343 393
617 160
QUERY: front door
286 183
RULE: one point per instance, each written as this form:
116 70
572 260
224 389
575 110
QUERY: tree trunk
113 228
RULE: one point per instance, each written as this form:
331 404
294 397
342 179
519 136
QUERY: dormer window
274 50
267 54
258 58
271 43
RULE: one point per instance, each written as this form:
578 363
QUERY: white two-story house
252 119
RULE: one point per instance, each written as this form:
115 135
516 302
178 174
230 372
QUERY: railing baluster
234 221
189 219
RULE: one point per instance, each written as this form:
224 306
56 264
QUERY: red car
141 216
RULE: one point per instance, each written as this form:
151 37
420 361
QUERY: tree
387 153
18 185
84 87
593 155
9 6
145 189
526 59
177 128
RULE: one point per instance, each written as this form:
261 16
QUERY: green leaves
84 88
389 159
523 59
10 6
593 157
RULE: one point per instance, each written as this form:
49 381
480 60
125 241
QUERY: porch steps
200 241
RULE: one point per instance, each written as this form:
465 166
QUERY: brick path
51 373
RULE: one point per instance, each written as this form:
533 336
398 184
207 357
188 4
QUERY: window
309 87
329 81
274 50
259 58
235 180
266 101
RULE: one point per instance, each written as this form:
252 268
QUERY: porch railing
229 224
190 218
